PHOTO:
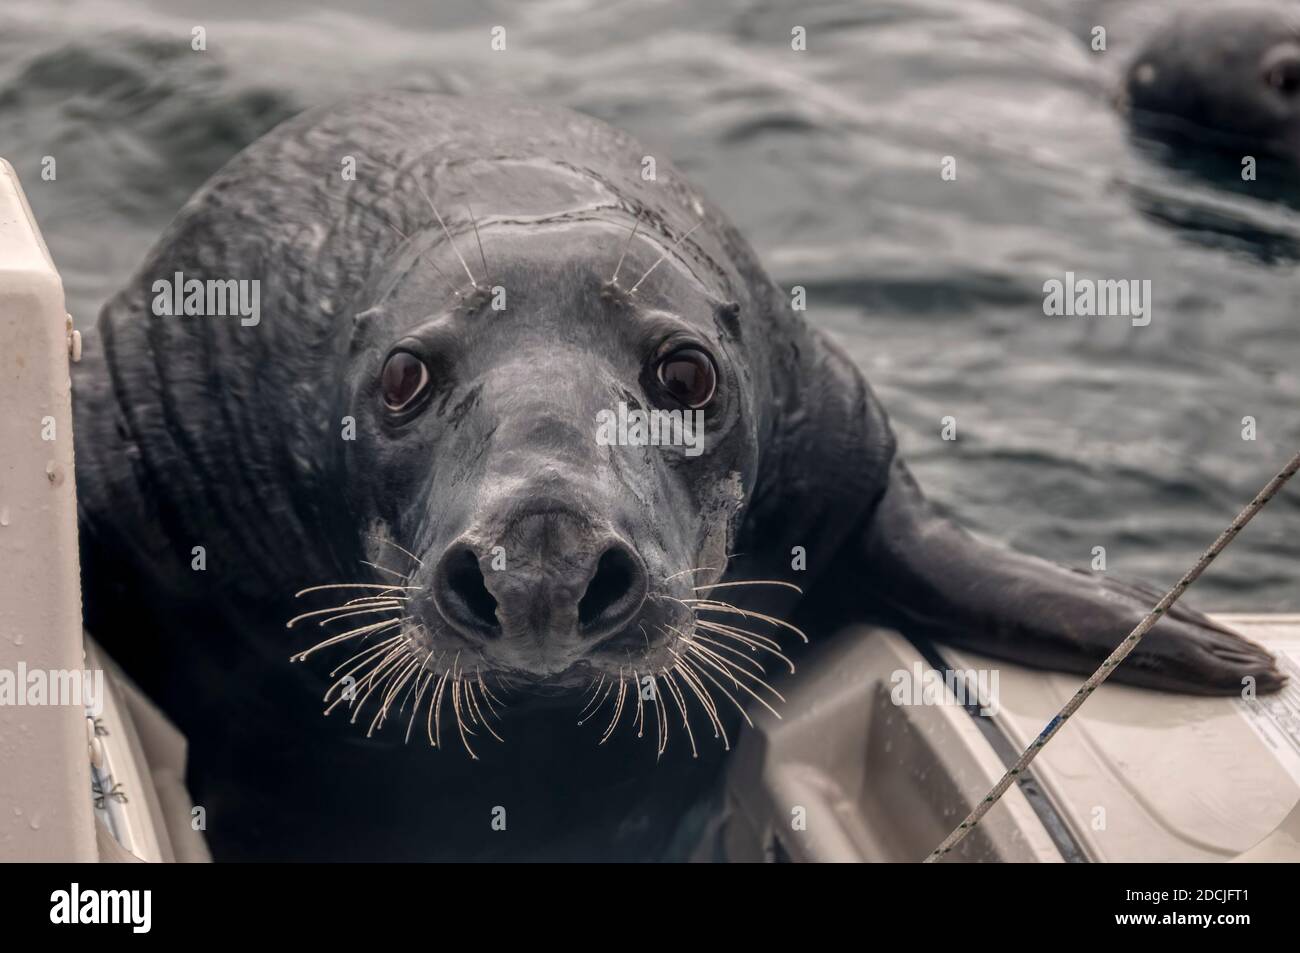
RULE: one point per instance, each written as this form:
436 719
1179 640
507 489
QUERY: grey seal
410 435
1221 79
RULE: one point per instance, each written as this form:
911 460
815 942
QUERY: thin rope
1114 659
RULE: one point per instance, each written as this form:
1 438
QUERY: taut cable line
1114 659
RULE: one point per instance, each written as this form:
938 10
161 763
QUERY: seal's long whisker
428 720
721 668
456 710
487 695
710 605
695 638
752 640
437 715
395 607
755 641
350 585
343 608
692 680
628 244
482 257
661 716
393 572
725 666
447 232
394 656
419 696
369 650
731 650
679 668
399 547
370 629
749 582
373 681
470 713
681 705
640 706
373 600
433 724
407 697
377 661
671 249
461 727
395 682
473 700
686 572
433 264
733 670
730 697
595 692
618 707
363 610
350 698
599 705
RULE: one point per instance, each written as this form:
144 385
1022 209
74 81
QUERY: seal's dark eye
1281 68
688 376
403 379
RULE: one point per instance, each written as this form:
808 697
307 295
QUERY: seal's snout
555 591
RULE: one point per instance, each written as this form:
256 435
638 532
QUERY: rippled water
1073 432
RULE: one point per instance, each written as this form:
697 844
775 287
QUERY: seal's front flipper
936 580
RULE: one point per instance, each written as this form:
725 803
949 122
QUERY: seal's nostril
462 595
615 592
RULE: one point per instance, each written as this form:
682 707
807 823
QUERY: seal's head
1221 78
560 434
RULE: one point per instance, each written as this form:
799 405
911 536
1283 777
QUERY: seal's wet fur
198 432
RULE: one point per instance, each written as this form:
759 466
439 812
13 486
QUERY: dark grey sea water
1073 432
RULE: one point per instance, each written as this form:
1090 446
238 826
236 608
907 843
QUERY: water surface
1073 432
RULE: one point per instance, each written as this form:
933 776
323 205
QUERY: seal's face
557 461
1226 78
